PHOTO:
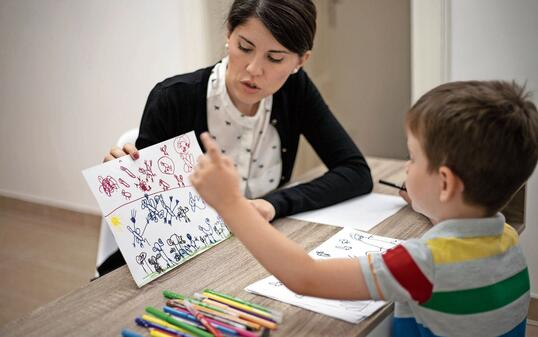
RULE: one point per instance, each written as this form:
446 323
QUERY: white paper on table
362 212
156 216
348 242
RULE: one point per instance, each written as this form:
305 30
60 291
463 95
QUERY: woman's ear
228 35
303 59
450 184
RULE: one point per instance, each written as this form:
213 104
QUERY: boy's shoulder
465 262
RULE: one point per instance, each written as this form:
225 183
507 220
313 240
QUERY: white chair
107 243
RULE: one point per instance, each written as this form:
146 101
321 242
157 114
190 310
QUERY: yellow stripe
372 270
454 250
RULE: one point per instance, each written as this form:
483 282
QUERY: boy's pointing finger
211 147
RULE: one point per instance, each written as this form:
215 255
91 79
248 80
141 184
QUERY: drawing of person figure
154 261
220 228
196 202
182 214
158 248
192 246
141 259
175 241
208 231
182 145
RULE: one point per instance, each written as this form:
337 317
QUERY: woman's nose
254 67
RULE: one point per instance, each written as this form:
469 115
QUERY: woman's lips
249 87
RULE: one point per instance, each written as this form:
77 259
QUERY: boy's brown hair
486 132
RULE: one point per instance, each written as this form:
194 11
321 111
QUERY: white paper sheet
362 213
348 242
156 216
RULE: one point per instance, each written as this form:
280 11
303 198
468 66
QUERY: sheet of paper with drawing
348 242
156 216
362 212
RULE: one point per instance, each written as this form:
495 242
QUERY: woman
256 103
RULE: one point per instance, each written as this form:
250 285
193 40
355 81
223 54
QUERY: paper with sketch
362 213
348 242
156 216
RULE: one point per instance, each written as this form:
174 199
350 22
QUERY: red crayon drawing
126 170
148 171
163 150
164 185
126 194
166 165
179 179
182 145
107 185
124 183
142 185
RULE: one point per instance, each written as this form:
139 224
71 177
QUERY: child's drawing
347 243
156 216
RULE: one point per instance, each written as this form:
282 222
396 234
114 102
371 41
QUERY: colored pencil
218 313
165 317
238 305
147 324
273 312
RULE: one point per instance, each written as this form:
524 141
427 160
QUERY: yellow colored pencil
237 305
158 333
244 315
163 323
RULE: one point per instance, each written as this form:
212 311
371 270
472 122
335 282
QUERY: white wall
498 39
429 40
74 75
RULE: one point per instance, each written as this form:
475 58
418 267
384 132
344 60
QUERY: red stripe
406 272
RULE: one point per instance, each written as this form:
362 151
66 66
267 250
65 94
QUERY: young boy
472 145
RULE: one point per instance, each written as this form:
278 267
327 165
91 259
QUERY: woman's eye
274 60
246 50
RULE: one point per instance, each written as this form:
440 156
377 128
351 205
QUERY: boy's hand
406 197
215 177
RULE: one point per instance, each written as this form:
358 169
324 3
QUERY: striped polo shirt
464 277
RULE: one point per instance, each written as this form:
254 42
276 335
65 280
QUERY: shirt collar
467 227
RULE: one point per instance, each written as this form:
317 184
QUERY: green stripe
472 301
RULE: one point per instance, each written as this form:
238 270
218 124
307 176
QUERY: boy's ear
451 184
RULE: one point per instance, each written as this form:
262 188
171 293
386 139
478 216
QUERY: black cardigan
178 105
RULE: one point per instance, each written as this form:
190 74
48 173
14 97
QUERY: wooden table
107 305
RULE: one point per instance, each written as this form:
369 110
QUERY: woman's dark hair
291 22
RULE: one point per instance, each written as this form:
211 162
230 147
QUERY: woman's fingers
131 150
108 157
116 152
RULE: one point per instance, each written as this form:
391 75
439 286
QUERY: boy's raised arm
217 182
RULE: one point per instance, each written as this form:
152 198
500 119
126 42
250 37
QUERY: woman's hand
265 208
215 177
116 152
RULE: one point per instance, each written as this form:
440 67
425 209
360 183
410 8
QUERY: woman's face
258 64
